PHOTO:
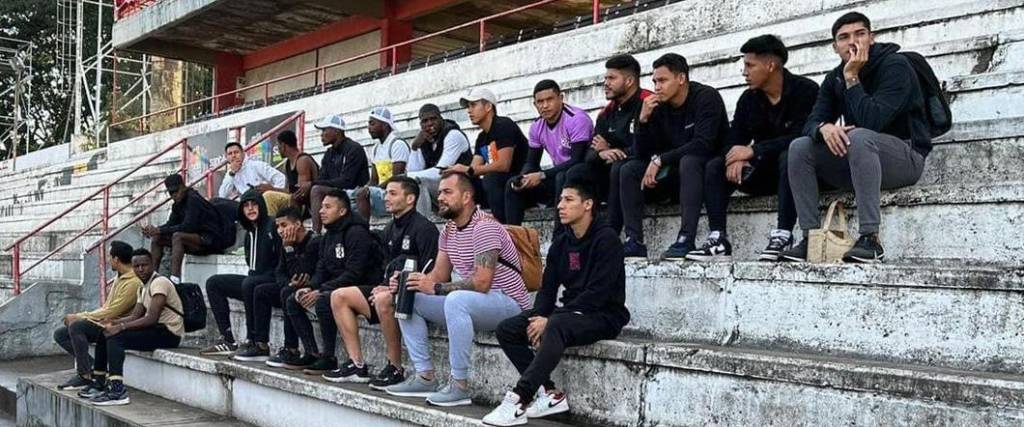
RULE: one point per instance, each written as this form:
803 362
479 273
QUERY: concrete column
394 30
226 71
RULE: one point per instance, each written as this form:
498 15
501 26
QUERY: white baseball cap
334 121
382 114
477 94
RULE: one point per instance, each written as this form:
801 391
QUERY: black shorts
367 291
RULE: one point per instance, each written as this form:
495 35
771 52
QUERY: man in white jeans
490 289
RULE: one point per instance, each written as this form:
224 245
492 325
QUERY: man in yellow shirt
82 329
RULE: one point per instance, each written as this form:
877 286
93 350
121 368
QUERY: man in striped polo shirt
474 286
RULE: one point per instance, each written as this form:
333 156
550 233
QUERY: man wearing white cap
500 150
390 157
344 165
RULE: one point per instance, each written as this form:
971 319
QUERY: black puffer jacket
262 244
349 256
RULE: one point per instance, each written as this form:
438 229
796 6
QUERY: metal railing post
103 249
266 94
394 60
301 131
184 159
483 34
16 268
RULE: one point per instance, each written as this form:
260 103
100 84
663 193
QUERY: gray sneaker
450 395
415 386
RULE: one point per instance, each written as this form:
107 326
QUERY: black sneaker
349 373
387 377
778 241
321 366
283 357
634 249
797 253
715 248
682 247
303 362
219 348
867 250
255 352
117 394
76 382
97 387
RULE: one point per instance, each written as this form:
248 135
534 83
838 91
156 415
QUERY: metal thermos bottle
405 297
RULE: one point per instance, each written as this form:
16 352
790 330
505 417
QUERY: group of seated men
864 130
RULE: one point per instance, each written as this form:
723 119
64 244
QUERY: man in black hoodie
349 256
299 252
194 227
409 236
343 167
589 263
880 143
262 250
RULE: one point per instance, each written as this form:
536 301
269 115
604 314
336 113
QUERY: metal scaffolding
16 60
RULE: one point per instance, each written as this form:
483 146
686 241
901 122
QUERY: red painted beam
225 74
393 31
412 9
326 35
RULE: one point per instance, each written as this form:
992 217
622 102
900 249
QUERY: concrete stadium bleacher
932 337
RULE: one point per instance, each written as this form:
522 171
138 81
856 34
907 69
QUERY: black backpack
194 305
936 102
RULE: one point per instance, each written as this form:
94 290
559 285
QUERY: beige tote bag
829 243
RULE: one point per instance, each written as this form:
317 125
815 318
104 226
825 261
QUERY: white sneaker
547 403
508 413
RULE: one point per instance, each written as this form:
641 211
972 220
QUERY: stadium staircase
935 336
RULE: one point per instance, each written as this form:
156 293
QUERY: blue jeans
464 313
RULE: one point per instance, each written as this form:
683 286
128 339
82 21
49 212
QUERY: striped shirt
482 234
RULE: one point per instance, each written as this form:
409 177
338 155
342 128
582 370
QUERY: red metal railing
321 71
104 222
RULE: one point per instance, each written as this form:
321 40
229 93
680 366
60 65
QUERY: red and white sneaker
547 403
509 413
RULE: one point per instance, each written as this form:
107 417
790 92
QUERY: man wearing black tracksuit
588 261
349 256
299 251
261 255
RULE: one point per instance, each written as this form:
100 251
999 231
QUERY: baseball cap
477 94
382 114
334 121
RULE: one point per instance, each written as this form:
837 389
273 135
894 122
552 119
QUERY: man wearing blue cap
344 165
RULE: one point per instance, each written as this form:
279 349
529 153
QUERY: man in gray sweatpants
475 284
880 141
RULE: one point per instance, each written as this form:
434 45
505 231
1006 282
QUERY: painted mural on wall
207 150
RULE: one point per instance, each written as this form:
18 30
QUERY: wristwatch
656 159
437 289
470 171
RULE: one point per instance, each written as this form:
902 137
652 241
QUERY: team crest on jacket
574 261
405 243
339 251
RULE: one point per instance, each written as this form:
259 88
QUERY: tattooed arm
483 273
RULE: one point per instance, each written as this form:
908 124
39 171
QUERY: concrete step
652 384
11 370
41 404
253 394
952 316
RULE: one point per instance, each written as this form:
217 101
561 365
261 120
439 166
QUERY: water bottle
405 297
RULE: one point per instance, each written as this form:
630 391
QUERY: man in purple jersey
564 132
474 285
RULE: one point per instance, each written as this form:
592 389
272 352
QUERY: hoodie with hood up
262 244
888 99
592 269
